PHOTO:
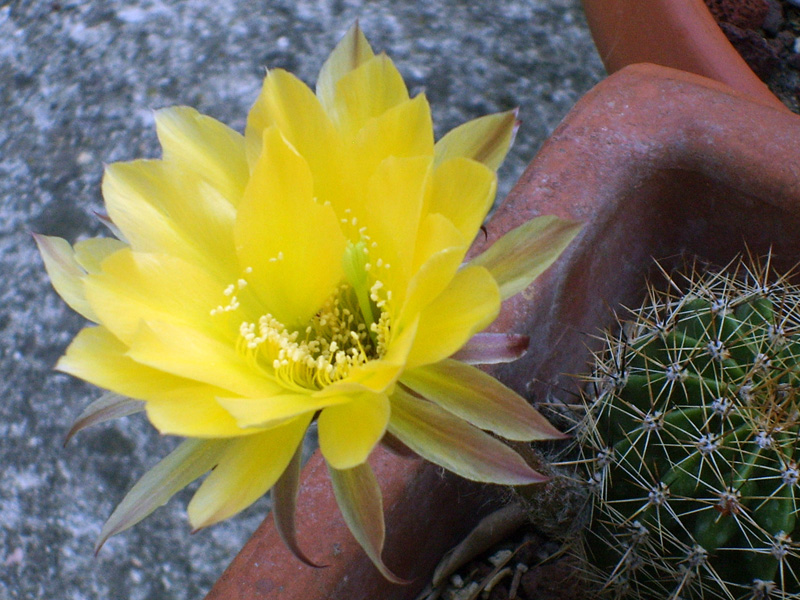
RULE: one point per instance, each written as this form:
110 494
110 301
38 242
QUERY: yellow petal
463 191
65 273
440 250
521 255
359 498
163 209
470 303
174 405
193 411
284 503
287 104
135 287
454 444
350 53
183 465
205 146
186 352
430 282
436 233
96 356
480 400
132 201
250 412
349 431
492 348
249 467
293 245
107 407
91 253
404 131
366 92
392 219
486 139
376 376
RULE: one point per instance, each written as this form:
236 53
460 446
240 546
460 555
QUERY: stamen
351 328
336 339
230 292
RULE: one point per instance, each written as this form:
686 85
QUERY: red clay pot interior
681 34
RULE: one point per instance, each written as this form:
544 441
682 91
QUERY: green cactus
691 439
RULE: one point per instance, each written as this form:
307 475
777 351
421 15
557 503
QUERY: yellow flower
310 269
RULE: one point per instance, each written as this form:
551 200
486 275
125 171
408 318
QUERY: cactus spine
691 442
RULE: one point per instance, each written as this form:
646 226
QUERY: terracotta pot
656 162
425 515
680 34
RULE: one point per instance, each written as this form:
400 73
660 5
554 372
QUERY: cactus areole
691 440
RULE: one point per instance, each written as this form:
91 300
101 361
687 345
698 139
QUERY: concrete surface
78 81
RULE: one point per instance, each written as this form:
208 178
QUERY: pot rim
681 34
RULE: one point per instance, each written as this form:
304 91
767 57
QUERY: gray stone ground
78 80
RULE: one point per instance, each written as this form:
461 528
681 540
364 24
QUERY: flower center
351 328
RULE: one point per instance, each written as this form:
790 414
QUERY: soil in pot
767 35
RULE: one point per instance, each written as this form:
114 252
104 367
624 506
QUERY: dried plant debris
523 566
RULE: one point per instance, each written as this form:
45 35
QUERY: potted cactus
651 174
691 440
682 35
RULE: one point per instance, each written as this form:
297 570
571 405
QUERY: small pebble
15 558
787 39
774 19
467 592
500 557
794 61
